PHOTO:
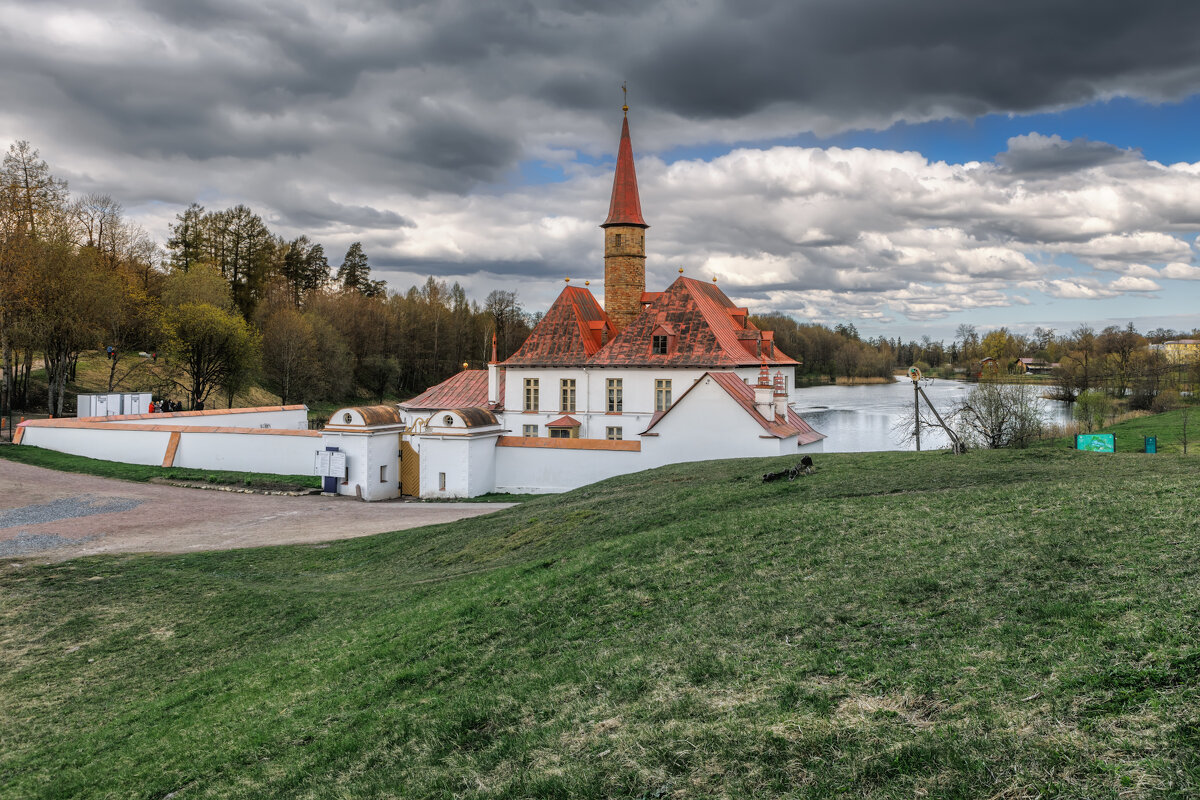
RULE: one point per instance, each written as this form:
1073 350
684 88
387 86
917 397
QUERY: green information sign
1096 442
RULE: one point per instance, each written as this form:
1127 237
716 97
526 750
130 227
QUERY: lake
858 419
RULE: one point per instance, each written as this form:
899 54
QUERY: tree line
1117 361
227 304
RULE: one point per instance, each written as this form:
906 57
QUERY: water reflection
863 418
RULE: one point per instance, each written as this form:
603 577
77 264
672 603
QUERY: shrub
1092 407
1167 400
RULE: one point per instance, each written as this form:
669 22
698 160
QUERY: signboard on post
330 464
337 465
1096 442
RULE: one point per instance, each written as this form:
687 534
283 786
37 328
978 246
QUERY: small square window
530 431
612 433
658 345
560 433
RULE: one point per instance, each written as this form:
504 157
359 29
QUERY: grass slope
65 462
1001 624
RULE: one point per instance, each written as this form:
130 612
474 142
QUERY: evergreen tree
186 242
355 273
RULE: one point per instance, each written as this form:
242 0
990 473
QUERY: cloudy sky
904 166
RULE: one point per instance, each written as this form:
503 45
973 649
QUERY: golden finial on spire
568 280
587 283
714 278
681 270
625 100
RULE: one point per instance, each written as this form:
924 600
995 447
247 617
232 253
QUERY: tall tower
624 240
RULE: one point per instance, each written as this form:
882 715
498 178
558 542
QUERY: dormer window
662 340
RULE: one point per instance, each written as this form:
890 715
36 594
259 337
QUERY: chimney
781 395
493 376
764 391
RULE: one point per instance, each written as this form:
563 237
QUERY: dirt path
47 515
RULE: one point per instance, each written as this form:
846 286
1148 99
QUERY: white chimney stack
764 393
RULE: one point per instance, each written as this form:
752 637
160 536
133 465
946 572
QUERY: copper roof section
781 427
476 417
372 415
574 329
709 331
466 389
625 208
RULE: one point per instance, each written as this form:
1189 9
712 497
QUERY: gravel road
53 516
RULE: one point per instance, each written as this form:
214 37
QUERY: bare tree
997 415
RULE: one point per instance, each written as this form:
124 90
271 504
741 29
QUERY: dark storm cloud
1035 154
209 78
372 117
880 60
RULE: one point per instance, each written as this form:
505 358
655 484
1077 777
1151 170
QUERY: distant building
1182 350
1034 366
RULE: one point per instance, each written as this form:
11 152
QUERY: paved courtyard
50 515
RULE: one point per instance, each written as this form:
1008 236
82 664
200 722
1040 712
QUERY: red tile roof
565 421
625 208
710 331
467 389
779 427
574 328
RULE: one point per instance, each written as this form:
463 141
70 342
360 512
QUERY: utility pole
915 375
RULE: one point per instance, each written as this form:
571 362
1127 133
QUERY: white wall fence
234 440
558 465
273 417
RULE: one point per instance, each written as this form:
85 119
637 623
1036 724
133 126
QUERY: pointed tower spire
624 238
625 206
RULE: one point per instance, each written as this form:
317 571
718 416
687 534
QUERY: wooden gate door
410 469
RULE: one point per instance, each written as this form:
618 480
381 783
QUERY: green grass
1130 434
65 462
1008 624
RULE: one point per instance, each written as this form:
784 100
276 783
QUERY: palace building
650 378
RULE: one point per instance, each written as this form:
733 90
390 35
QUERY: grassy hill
1001 624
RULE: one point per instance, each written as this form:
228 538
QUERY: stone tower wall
624 272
